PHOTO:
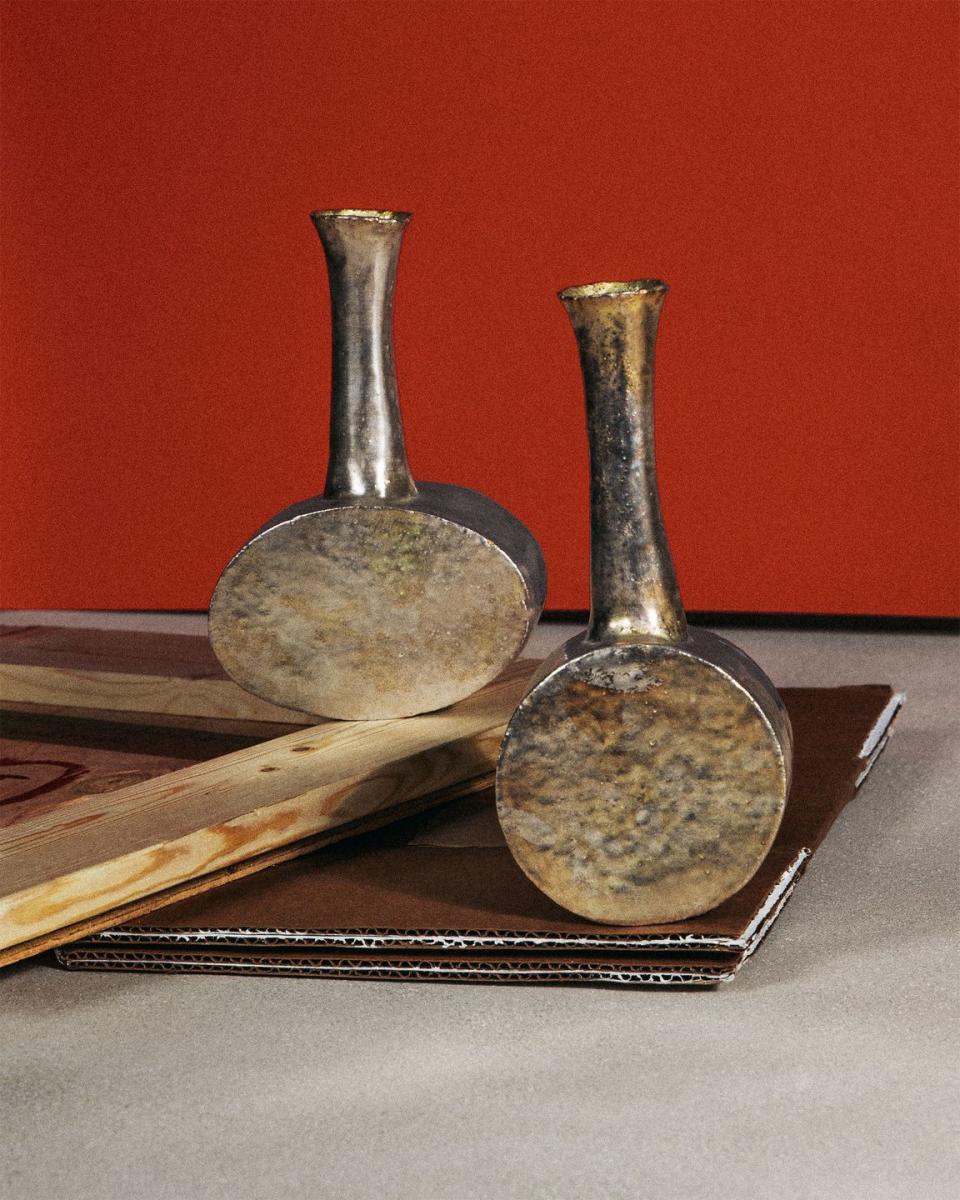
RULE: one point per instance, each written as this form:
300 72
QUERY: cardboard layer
636 970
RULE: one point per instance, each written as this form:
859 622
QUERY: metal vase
383 597
643 777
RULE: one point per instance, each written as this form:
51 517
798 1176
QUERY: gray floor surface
827 1069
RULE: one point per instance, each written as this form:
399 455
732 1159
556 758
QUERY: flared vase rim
383 216
613 290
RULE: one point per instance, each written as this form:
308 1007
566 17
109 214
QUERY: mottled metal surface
633 587
640 784
367 452
644 776
383 597
364 612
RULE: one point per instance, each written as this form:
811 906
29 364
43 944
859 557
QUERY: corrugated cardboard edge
469 971
463 939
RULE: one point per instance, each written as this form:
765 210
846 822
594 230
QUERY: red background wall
789 168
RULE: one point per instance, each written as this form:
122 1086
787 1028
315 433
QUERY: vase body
643 777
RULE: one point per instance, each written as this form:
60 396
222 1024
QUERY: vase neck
367 452
634 594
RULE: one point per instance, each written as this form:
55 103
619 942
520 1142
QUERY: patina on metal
383 597
643 777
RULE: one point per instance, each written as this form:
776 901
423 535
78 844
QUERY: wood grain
97 852
126 671
240 870
219 698
261 730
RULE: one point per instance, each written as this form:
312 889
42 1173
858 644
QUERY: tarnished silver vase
643 777
383 597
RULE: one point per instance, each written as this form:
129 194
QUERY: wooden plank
249 866
47 761
259 730
97 852
120 692
126 671
124 650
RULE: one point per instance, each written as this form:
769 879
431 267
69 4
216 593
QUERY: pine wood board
93 854
126 671
250 866
260 730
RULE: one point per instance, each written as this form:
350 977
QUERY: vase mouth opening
612 290
384 216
